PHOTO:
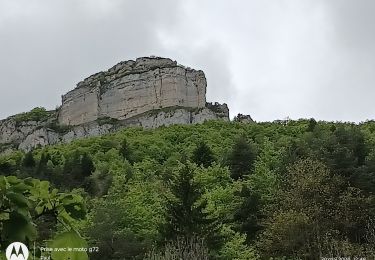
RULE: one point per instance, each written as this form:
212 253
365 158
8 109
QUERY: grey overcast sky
270 59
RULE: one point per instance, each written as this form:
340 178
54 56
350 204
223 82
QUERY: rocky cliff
149 92
131 88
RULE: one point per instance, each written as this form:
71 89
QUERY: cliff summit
131 88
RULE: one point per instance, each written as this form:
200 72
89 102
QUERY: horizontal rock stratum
148 92
131 88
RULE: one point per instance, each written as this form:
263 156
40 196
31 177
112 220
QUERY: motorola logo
17 251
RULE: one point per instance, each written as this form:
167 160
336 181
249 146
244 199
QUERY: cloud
269 59
53 45
353 24
346 89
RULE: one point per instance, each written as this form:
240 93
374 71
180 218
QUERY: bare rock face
40 137
30 134
131 88
243 119
175 115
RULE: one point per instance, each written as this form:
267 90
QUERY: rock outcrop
243 119
131 88
149 93
31 134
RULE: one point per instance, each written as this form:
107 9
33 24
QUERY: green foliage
241 158
36 114
126 151
125 222
28 160
59 128
185 215
314 211
182 248
265 180
7 146
247 216
22 202
302 189
107 120
70 241
203 155
87 165
235 246
312 124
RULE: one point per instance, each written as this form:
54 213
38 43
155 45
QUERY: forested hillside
282 190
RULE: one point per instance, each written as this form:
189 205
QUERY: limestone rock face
30 134
175 116
244 119
40 137
131 88
12 132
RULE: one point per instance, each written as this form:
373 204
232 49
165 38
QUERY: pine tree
203 155
247 217
87 165
28 160
44 159
41 170
241 158
126 151
72 171
185 216
312 124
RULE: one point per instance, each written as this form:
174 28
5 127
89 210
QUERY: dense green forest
221 190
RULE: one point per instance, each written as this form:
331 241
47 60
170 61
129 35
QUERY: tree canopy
219 190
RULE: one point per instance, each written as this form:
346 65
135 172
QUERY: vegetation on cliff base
37 114
107 120
290 190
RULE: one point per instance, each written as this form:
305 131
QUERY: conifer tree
185 215
241 158
203 155
41 170
126 151
28 160
312 124
248 215
87 165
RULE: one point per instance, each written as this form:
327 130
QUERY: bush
61 129
36 114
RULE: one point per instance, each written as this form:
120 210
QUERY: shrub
36 114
